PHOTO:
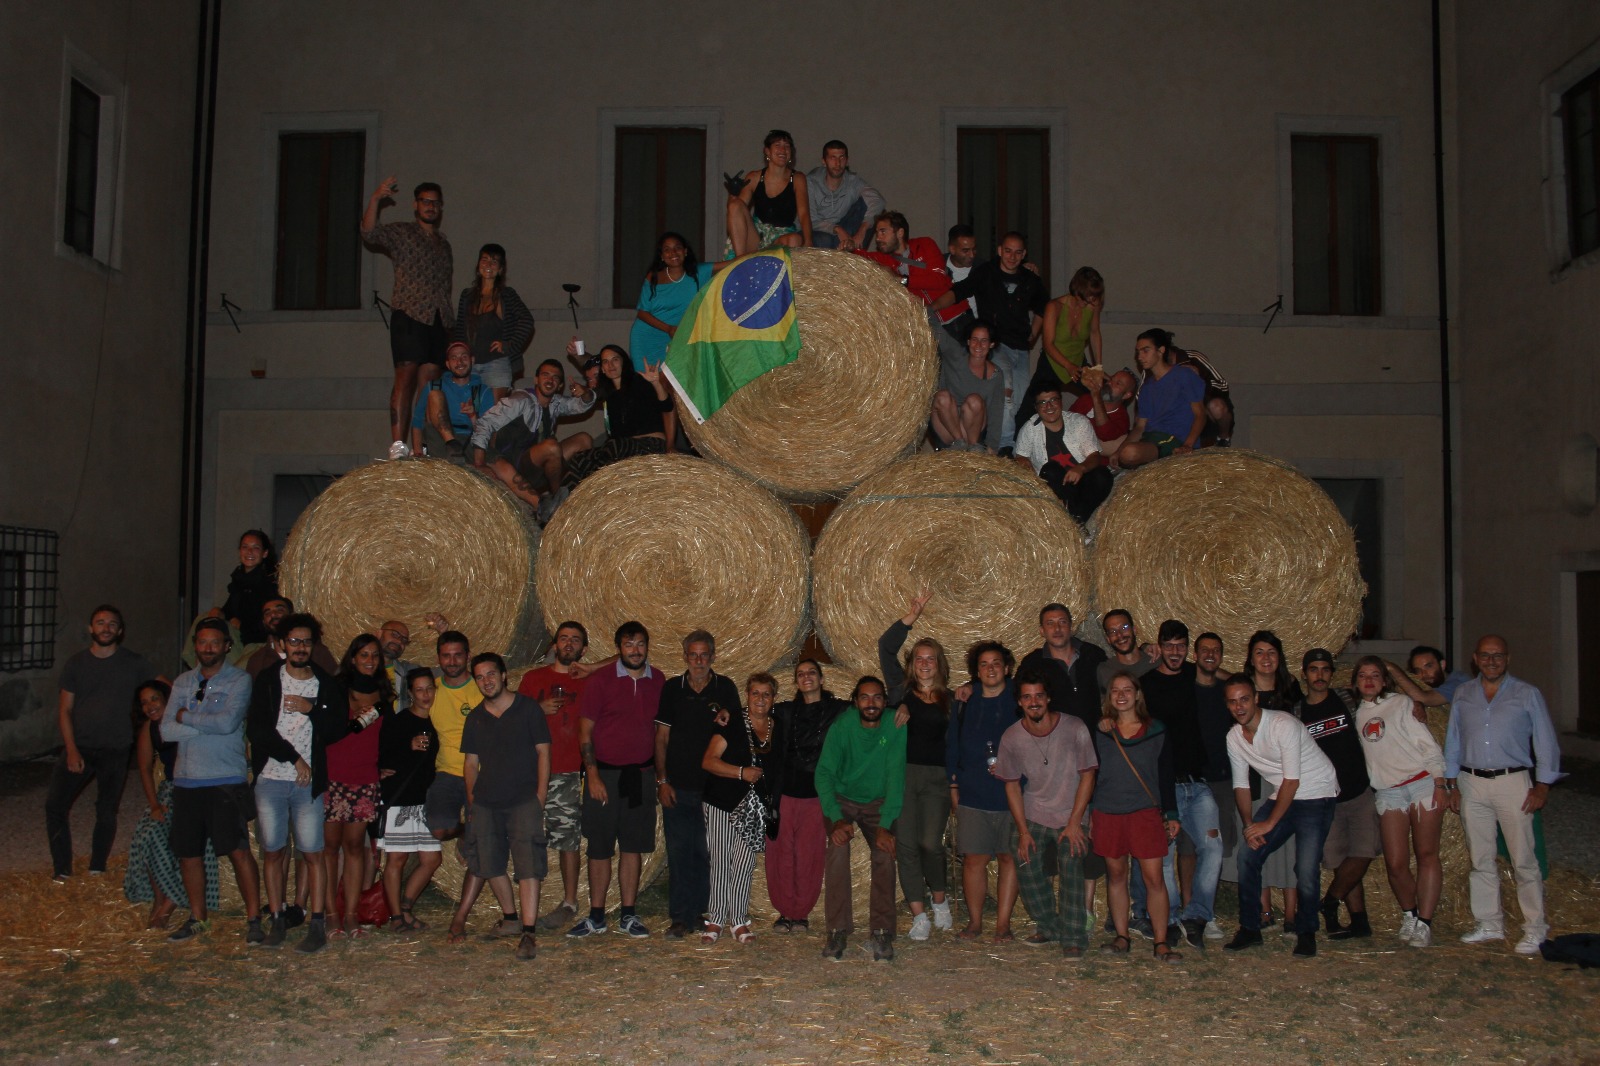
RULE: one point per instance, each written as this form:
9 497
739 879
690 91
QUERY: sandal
457 935
1117 945
413 923
1166 954
742 933
337 933
1001 938
398 924
969 934
710 933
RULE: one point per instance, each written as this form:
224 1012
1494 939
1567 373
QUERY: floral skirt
352 803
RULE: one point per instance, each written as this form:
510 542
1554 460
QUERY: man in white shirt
1304 789
1062 448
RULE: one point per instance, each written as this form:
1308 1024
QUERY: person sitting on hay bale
1105 405
1432 669
532 461
1171 414
1218 399
1063 450
970 403
449 407
638 415
764 209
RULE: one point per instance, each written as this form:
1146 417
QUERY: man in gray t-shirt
1126 655
95 713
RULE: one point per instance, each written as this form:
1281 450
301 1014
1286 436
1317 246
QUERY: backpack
1581 948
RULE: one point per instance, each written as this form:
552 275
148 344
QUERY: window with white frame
90 160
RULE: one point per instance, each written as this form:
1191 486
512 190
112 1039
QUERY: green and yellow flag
737 328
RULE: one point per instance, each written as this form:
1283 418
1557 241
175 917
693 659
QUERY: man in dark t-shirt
507 771
1354 839
94 712
690 705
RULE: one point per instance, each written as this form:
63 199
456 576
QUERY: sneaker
1483 933
96 873
527 948
1529 944
253 933
1421 936
942 919
632 926
294 915
1305 946
275 931
1214 931
1194 931
586 927
558 917
1408 927
1037 940
921 927
399 450
882 947
800 925
1142 927
1244 938
316 937
188 931
677 930
60 879
836 944
506 927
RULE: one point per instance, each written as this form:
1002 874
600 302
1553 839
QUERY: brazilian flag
736 328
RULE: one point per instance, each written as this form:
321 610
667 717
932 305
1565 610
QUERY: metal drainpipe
1447 457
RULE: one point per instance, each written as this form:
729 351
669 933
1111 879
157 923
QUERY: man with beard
617 741
861 784
97 688
270 654
557 689
1215 721
211 802
1122 636
394 637
296 711
914 260
532 467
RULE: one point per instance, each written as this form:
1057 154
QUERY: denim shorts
280 804
1418 793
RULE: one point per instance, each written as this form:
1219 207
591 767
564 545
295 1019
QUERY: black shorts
622 823
217 813
411 341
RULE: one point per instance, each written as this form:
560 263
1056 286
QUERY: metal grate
29 591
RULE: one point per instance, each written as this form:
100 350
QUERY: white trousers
1487 803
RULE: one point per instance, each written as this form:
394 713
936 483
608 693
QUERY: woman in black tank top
770 206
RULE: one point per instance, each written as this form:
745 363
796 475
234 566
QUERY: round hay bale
679 544
401 539
452 872
1233 542
986 536
854 401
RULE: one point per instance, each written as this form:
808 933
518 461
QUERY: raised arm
369 218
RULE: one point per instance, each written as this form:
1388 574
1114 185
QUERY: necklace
1040 743
674 280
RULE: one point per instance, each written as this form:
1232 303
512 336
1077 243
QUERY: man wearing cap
1501 752
1354 839
449 407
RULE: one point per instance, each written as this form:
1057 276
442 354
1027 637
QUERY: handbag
750 822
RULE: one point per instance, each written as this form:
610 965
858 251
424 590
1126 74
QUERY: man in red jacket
917 261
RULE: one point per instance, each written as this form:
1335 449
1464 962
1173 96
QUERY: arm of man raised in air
369 218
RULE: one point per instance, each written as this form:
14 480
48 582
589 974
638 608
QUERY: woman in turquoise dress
671 282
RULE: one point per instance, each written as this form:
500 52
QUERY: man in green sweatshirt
861 781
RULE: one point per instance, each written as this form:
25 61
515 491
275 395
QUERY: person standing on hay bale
1063 450
795 856
1407 769
741 795
446 411
922 708
916 261
97 687
1171 411
861 785
558 689
617 738
674 277
1013 298
686 717
1354 839
506 746
494 321
1304 789
532 464
970 403
1048 763
961 248
296 712
977 796
1071 332
211 799
420 319
1502 753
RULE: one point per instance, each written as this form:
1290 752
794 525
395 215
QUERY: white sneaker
1421 935
1408 927
1483 933
1529 944
921 926
399 450
1214 931
942 920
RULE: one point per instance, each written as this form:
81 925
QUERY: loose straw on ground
855 400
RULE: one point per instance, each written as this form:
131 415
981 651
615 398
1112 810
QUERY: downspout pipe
1447 544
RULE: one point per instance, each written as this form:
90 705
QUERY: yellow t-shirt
449 717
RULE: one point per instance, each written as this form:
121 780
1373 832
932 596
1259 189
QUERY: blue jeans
851 222
280 804
688 860
1308 822
1197 810
1013 363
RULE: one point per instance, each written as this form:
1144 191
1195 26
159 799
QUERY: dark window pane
83 167
1003 184
1360 502
319 211
1338 253
1580 110
660 186
1312 203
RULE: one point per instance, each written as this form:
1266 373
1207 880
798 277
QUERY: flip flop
456 936
1001 938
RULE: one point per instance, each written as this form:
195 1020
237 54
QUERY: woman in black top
795 856
771 205
637 415
493 321
740 793
923 705
253 582
406 752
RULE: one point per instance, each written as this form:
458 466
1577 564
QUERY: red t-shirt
537 685
926 276
1116 418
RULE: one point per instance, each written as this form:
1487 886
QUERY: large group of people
1073 420
1143 763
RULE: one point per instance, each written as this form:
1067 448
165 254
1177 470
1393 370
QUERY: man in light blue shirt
1502 753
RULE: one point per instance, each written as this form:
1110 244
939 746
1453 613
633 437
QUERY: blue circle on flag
755 294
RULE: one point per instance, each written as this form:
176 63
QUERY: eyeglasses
400 637
430 200
1490 656
1049 403
298 642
